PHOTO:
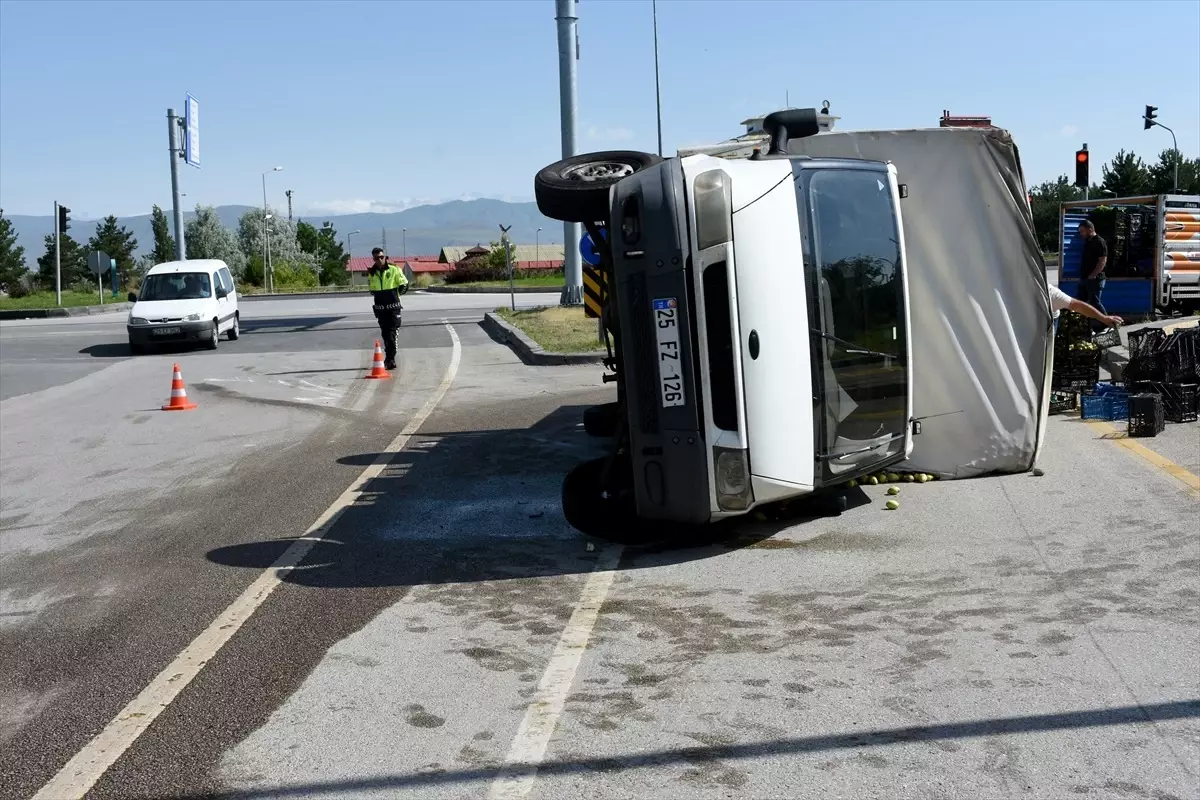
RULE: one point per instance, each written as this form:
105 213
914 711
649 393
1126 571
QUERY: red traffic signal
1081 168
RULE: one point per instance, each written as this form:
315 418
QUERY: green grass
554 281
557 329
73 299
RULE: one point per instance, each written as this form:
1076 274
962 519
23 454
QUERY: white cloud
1068 131
366 206
609 134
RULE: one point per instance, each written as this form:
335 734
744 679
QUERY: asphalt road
999 637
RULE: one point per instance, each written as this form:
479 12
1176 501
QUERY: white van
184 301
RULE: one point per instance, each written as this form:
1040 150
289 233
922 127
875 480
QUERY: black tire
576 189
601 421
213 337
236 331
611 516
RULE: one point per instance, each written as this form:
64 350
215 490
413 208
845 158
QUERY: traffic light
1081 168
63 219
1149 116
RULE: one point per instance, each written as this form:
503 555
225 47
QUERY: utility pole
657 90
175 148
512 294
57 258
568 55
384 240
289 197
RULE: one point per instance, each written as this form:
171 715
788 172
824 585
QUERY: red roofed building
412 266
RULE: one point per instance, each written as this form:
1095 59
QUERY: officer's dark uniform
387 283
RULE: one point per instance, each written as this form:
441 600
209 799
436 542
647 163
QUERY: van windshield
856 309
176 286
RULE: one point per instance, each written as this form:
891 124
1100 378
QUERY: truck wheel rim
598 171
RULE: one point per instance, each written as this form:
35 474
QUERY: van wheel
601 421
235 331
576 189
213 336
135 348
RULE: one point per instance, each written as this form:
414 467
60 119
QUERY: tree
164 243
12 255
322 244
1126 175
1162 174
1045 207
495 257
119 244
73 263
205 236
282 235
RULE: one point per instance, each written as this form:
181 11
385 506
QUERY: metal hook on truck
759 315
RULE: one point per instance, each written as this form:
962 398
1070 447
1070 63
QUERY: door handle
754 345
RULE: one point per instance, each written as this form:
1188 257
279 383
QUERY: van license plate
165 331
666 330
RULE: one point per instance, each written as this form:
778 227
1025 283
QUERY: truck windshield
856 311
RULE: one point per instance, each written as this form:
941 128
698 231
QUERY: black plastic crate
1062 402
1179 399
1109 338
1146 415
1075 379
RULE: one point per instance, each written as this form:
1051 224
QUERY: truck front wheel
576 188
606 511
601 421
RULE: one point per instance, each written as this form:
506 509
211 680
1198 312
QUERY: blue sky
380 105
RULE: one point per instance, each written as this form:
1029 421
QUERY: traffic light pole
1151 120
57 258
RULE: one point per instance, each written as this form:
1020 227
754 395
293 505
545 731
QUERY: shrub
293 276
23 286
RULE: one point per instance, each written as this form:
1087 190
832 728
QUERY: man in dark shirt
1095 259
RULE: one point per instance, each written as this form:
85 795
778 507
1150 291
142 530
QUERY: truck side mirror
794 123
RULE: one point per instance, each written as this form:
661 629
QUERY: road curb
479 290
530 351
73 311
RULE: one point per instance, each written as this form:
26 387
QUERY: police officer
387 282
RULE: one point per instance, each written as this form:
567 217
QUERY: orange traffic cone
378 373
179 401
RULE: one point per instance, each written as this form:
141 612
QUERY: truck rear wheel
597 510
576 188
601 421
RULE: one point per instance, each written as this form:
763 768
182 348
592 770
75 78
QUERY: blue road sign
587 248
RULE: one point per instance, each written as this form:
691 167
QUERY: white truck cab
759 309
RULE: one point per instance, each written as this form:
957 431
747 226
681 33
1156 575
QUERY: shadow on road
474 506
582 767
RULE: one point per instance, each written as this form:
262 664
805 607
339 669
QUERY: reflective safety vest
390 277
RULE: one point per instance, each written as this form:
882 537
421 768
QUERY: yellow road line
1114 434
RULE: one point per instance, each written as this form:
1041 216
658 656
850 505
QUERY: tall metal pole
266 240
404 243
568 55
57 258
175 148
657 90
512 294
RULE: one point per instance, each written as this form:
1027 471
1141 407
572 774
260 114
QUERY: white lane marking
541 718
80 774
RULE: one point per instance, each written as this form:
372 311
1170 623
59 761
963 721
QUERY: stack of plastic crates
1146 415
1105 401
1179 399
1075 369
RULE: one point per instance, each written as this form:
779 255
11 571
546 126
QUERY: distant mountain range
429 228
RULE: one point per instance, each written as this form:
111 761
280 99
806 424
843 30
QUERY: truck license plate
666 329
165 331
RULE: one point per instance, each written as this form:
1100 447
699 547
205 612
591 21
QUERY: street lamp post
267 277
657 90
537 247
267 263
350 250
404 244
512 294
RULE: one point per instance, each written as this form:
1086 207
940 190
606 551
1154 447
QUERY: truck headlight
192 318
137 321
713 198
733 479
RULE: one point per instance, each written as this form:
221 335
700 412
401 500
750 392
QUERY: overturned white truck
761 307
